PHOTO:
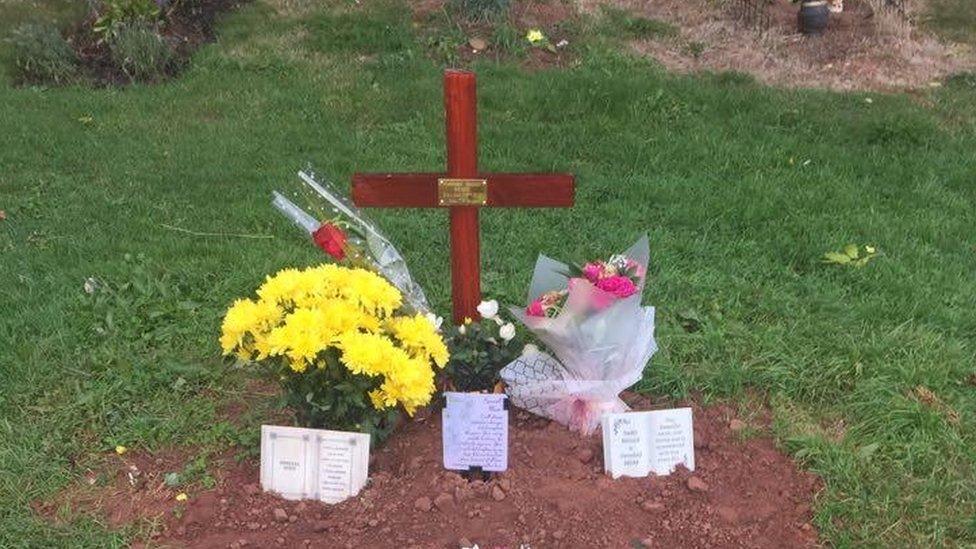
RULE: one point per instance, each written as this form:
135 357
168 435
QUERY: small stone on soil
497 493
737 425
444 501
585 455
422 504
280 515
652 507
696 484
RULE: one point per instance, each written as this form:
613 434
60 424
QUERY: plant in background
42 55
140 51
479 350
480 10
537 39
111 16
336 340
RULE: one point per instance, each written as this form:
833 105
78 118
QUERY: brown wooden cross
462 190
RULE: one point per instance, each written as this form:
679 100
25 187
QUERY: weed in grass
41 55
141 53
509 39
620 23
963 80
479 10
952 19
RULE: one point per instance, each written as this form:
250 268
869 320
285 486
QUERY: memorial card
475 432
636 444
301 463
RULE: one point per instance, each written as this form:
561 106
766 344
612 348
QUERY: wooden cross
462 190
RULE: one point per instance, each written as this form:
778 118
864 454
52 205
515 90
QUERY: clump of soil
854 53
743 493
188 26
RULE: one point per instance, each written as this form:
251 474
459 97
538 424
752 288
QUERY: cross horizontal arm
505 190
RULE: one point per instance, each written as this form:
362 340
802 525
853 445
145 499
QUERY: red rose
332 240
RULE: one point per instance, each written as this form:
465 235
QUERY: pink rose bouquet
601 338
618 278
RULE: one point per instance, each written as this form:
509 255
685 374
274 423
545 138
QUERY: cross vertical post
460 104
463 190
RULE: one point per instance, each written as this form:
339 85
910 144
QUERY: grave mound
745 492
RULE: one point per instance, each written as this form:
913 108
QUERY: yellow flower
121 449
467 320
419 337
367 354
870 249
535 36
377 398
181 496
315 317
300 338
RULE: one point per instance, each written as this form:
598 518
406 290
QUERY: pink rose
592 272
620 286
535 309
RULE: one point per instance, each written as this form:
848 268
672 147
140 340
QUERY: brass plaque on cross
462 192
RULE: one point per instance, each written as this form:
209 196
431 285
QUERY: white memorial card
636 444
475 432
298 463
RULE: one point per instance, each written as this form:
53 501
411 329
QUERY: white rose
435 320
530 350
488 309
507 332
462 329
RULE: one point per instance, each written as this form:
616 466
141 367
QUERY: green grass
741 188
952 19
620 23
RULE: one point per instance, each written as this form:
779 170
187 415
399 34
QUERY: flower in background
435 321
507 332
181 496
488 309
535 37
620 286
332 240
121 449
549 304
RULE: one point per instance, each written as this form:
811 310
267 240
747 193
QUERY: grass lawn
742 189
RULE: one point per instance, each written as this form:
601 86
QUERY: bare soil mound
744 493
860 50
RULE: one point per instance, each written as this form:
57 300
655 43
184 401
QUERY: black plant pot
813 16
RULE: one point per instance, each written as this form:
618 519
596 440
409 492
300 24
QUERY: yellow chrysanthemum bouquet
346 352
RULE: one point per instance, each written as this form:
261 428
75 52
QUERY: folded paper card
475 431
298 463
636 444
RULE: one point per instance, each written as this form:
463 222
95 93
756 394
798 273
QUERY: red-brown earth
744 493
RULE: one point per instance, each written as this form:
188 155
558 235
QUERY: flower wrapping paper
600 350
